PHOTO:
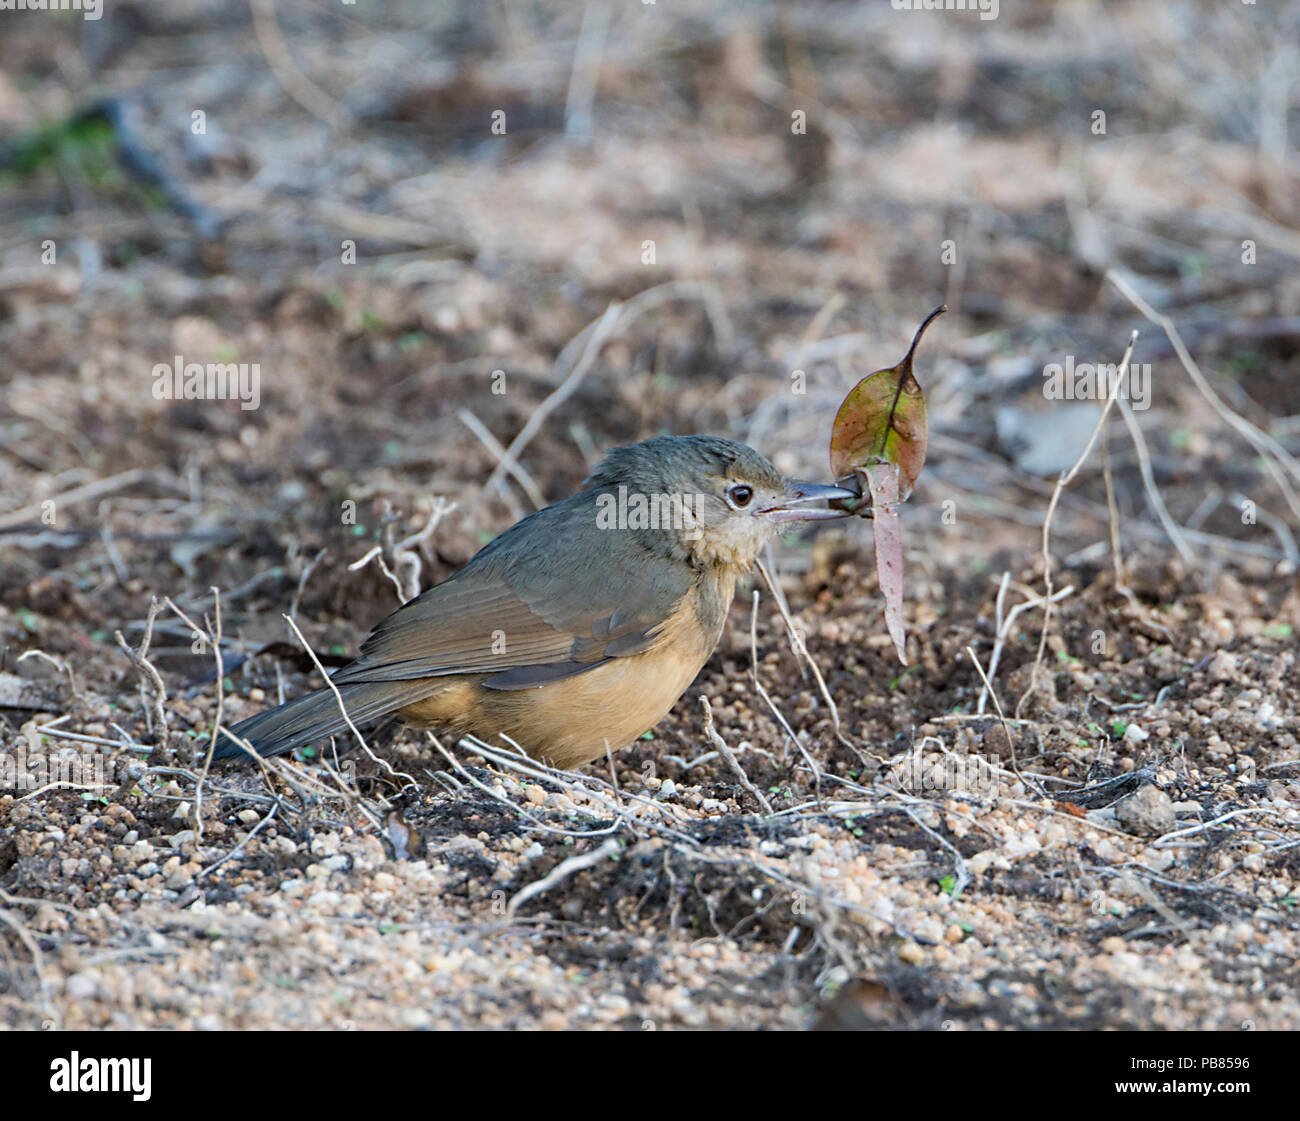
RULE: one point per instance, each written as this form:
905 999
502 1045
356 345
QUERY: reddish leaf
882 420
878 442
882 482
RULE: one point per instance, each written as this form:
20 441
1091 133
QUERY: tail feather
316 716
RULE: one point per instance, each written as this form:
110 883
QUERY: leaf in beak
882 420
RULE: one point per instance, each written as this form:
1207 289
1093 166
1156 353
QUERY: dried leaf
882 483
879 442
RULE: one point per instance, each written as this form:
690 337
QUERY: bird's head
711 500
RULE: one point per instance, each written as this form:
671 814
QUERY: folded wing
531 612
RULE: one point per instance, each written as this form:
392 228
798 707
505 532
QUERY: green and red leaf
882 420
878 443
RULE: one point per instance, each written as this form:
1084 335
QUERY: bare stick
215 632
997 632
61 665
503 457
295 83
581 351
140 659
962 877
97 489
771 704
562 872
799 646
533 819
1280 529
307 570
523 764
1004 629
561 393
1267 447
1112 510
405 554
338 697
240 847
997 705
586 66
376 553
1153 492
1121 376
715 738
38 963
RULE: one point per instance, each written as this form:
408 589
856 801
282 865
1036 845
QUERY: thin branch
562 872
1268 448
714 737
157 717
1121 376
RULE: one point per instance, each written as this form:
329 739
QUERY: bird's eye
740 495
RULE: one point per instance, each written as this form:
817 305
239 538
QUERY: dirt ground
1108 839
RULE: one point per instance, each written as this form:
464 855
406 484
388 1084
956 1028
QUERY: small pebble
1148 813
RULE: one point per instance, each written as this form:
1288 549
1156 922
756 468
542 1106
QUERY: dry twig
714 737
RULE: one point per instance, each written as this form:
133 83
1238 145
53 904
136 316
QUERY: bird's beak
794 507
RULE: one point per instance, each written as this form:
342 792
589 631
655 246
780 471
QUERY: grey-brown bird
578 628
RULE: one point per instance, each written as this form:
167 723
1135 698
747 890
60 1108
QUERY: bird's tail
317 715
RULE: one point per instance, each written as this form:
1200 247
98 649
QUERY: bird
577 629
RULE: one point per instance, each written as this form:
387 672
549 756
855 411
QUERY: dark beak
794 505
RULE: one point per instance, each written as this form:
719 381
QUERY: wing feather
531 606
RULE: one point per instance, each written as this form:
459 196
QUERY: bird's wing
551 597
